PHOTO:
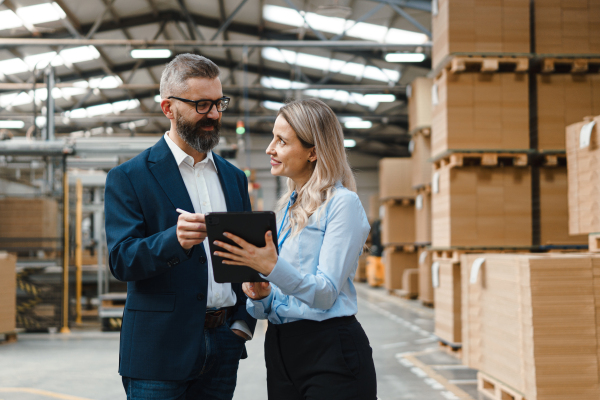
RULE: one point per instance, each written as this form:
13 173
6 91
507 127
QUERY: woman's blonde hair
315 124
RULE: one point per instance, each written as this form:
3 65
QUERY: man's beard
196 137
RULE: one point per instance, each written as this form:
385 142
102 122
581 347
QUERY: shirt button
202 259
200 296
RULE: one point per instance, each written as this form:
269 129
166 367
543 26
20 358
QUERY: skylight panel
9 20
272 105
42 60
107 82
79 54
278 83
335 25
41 13
326 64
13 66
103 109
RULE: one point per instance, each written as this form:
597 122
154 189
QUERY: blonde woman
314 347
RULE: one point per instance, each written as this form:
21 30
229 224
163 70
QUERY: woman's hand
256 290
261 259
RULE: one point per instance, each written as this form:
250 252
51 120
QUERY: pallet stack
499 179
419 124
8 293
31 220
397 214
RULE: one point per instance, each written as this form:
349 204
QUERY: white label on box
434 95
419 202
435 7
411 146
381 212
585 135
408 91
475 269
422 257
435 274
435 184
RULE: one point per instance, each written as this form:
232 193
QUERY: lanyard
280 239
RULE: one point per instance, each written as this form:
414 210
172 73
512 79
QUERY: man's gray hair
183 67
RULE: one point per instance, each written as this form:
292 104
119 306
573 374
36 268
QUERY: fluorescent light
330 64
335 25
157 98
272 105
151 53
404 57
349 142
358 124
9 20
41 13
381 98
278 83
12 124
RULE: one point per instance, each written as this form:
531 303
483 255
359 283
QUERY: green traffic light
241 130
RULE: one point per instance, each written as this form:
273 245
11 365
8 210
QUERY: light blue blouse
313 275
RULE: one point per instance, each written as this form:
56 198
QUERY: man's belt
214 319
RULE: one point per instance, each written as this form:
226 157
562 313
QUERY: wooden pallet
495 389
554 160
576 65
594 242
454 349
483 158
453 255
421 130
8 337
487 64
404 201
428 304
403 294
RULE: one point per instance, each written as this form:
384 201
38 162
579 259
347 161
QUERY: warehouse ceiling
322 49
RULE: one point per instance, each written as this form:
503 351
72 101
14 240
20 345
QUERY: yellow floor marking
42 392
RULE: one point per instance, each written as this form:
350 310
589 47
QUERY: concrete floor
83 365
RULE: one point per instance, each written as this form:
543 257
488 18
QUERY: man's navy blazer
163 321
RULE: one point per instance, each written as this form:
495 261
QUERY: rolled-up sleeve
345 233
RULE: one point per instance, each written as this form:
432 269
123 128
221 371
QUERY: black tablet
250 226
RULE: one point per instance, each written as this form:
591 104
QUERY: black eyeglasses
203 106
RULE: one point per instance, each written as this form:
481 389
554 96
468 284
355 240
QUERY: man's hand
256 290
240 334
191 230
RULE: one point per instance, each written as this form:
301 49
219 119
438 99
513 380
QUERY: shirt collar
181 156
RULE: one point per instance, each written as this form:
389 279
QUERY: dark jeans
328 360
215 381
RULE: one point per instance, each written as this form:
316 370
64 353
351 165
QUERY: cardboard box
564 99
395 262
423 216
419 104
529 321
482 207
420 157
32 218
425 284
8 292
397 223
395 178
447 298
476 111
410 282
468 26
374 204
361 270
554 208
583 179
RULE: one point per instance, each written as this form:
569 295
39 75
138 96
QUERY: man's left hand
261 259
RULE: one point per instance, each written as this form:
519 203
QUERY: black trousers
328 360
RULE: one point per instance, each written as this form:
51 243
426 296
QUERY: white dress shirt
202 183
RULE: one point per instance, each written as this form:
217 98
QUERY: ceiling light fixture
381 98
358 124
12 124
151 53
404 57
349 143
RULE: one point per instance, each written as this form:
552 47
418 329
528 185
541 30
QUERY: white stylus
180 211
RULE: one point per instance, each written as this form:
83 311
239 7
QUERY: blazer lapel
229 184
164 168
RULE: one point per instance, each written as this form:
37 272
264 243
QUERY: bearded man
183 334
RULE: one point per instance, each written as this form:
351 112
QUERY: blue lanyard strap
280 239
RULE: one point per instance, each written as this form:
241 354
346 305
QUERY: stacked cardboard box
567 26
481 207
398 222
564 99
491 26
421 159
423 215
8 292
395 178
447 298
395 262
477 111
583 160
529 321
425 283
419 104
29 218
410 283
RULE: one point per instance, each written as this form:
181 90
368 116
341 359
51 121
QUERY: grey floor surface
83 365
